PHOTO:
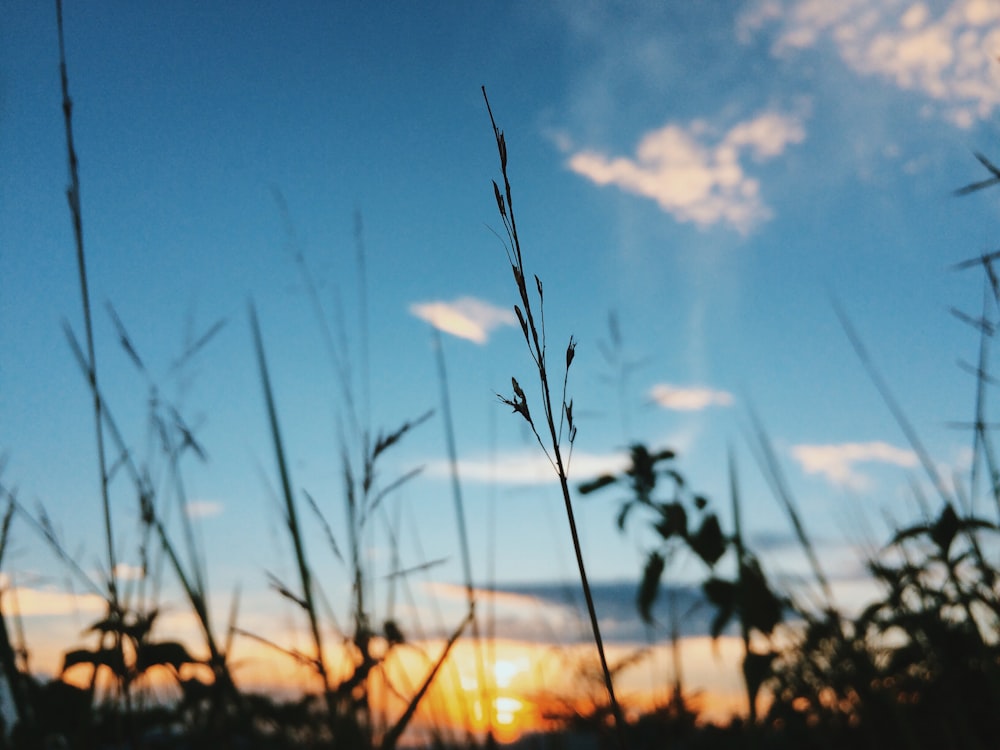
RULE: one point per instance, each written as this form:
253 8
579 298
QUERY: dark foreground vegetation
919 667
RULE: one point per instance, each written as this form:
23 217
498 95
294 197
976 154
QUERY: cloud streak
467 317
837 462
692 398
204 509
948 55
615 600
694 174
527 467
32 602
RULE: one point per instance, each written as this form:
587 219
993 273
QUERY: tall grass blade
305 575
766 458
734 494
336 345
519 403
897 413
76 214
392 736
982 444
463 532
983 184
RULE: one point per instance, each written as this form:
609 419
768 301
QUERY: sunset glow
528 685
285 382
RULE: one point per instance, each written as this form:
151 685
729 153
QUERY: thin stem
73 196
536 346
305 574
463 533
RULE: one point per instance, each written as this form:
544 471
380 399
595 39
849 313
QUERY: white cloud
945 51
467 317
456 592
836 462
30 602
126 572
203 508
693 398
696 176
528 467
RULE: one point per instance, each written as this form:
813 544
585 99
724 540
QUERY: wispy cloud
528 467
615 600
204 508
32 602
837 462
695 174
498 597
467 317
691 398
947 52
126 572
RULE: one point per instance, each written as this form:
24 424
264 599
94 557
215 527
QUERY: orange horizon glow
505 686
510 687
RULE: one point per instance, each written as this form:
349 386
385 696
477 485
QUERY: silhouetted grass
533 329
919 667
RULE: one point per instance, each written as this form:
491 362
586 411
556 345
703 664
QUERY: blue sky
714 174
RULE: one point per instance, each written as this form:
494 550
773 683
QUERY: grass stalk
734 494
463 533
982 444
76 214
768 462
897 412
16 680
193 584
392 736
534 335
291 518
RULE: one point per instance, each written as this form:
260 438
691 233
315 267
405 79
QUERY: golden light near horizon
525 686
704 178
528 685
504 670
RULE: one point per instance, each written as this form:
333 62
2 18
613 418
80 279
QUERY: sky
714 177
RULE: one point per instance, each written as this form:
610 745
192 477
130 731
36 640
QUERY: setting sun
382 375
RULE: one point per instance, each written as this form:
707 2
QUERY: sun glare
523 685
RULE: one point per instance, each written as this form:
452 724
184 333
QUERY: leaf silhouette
760 608
138 630
623 514
392 632
756 669
110 624
162 654
708 542
585 488
944 529
673 521
650 586
722 594
104 657
642 472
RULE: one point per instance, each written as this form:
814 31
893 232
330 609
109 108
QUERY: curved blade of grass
537 350
73 196
305 575
463 532
392 736
768 462
897 413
